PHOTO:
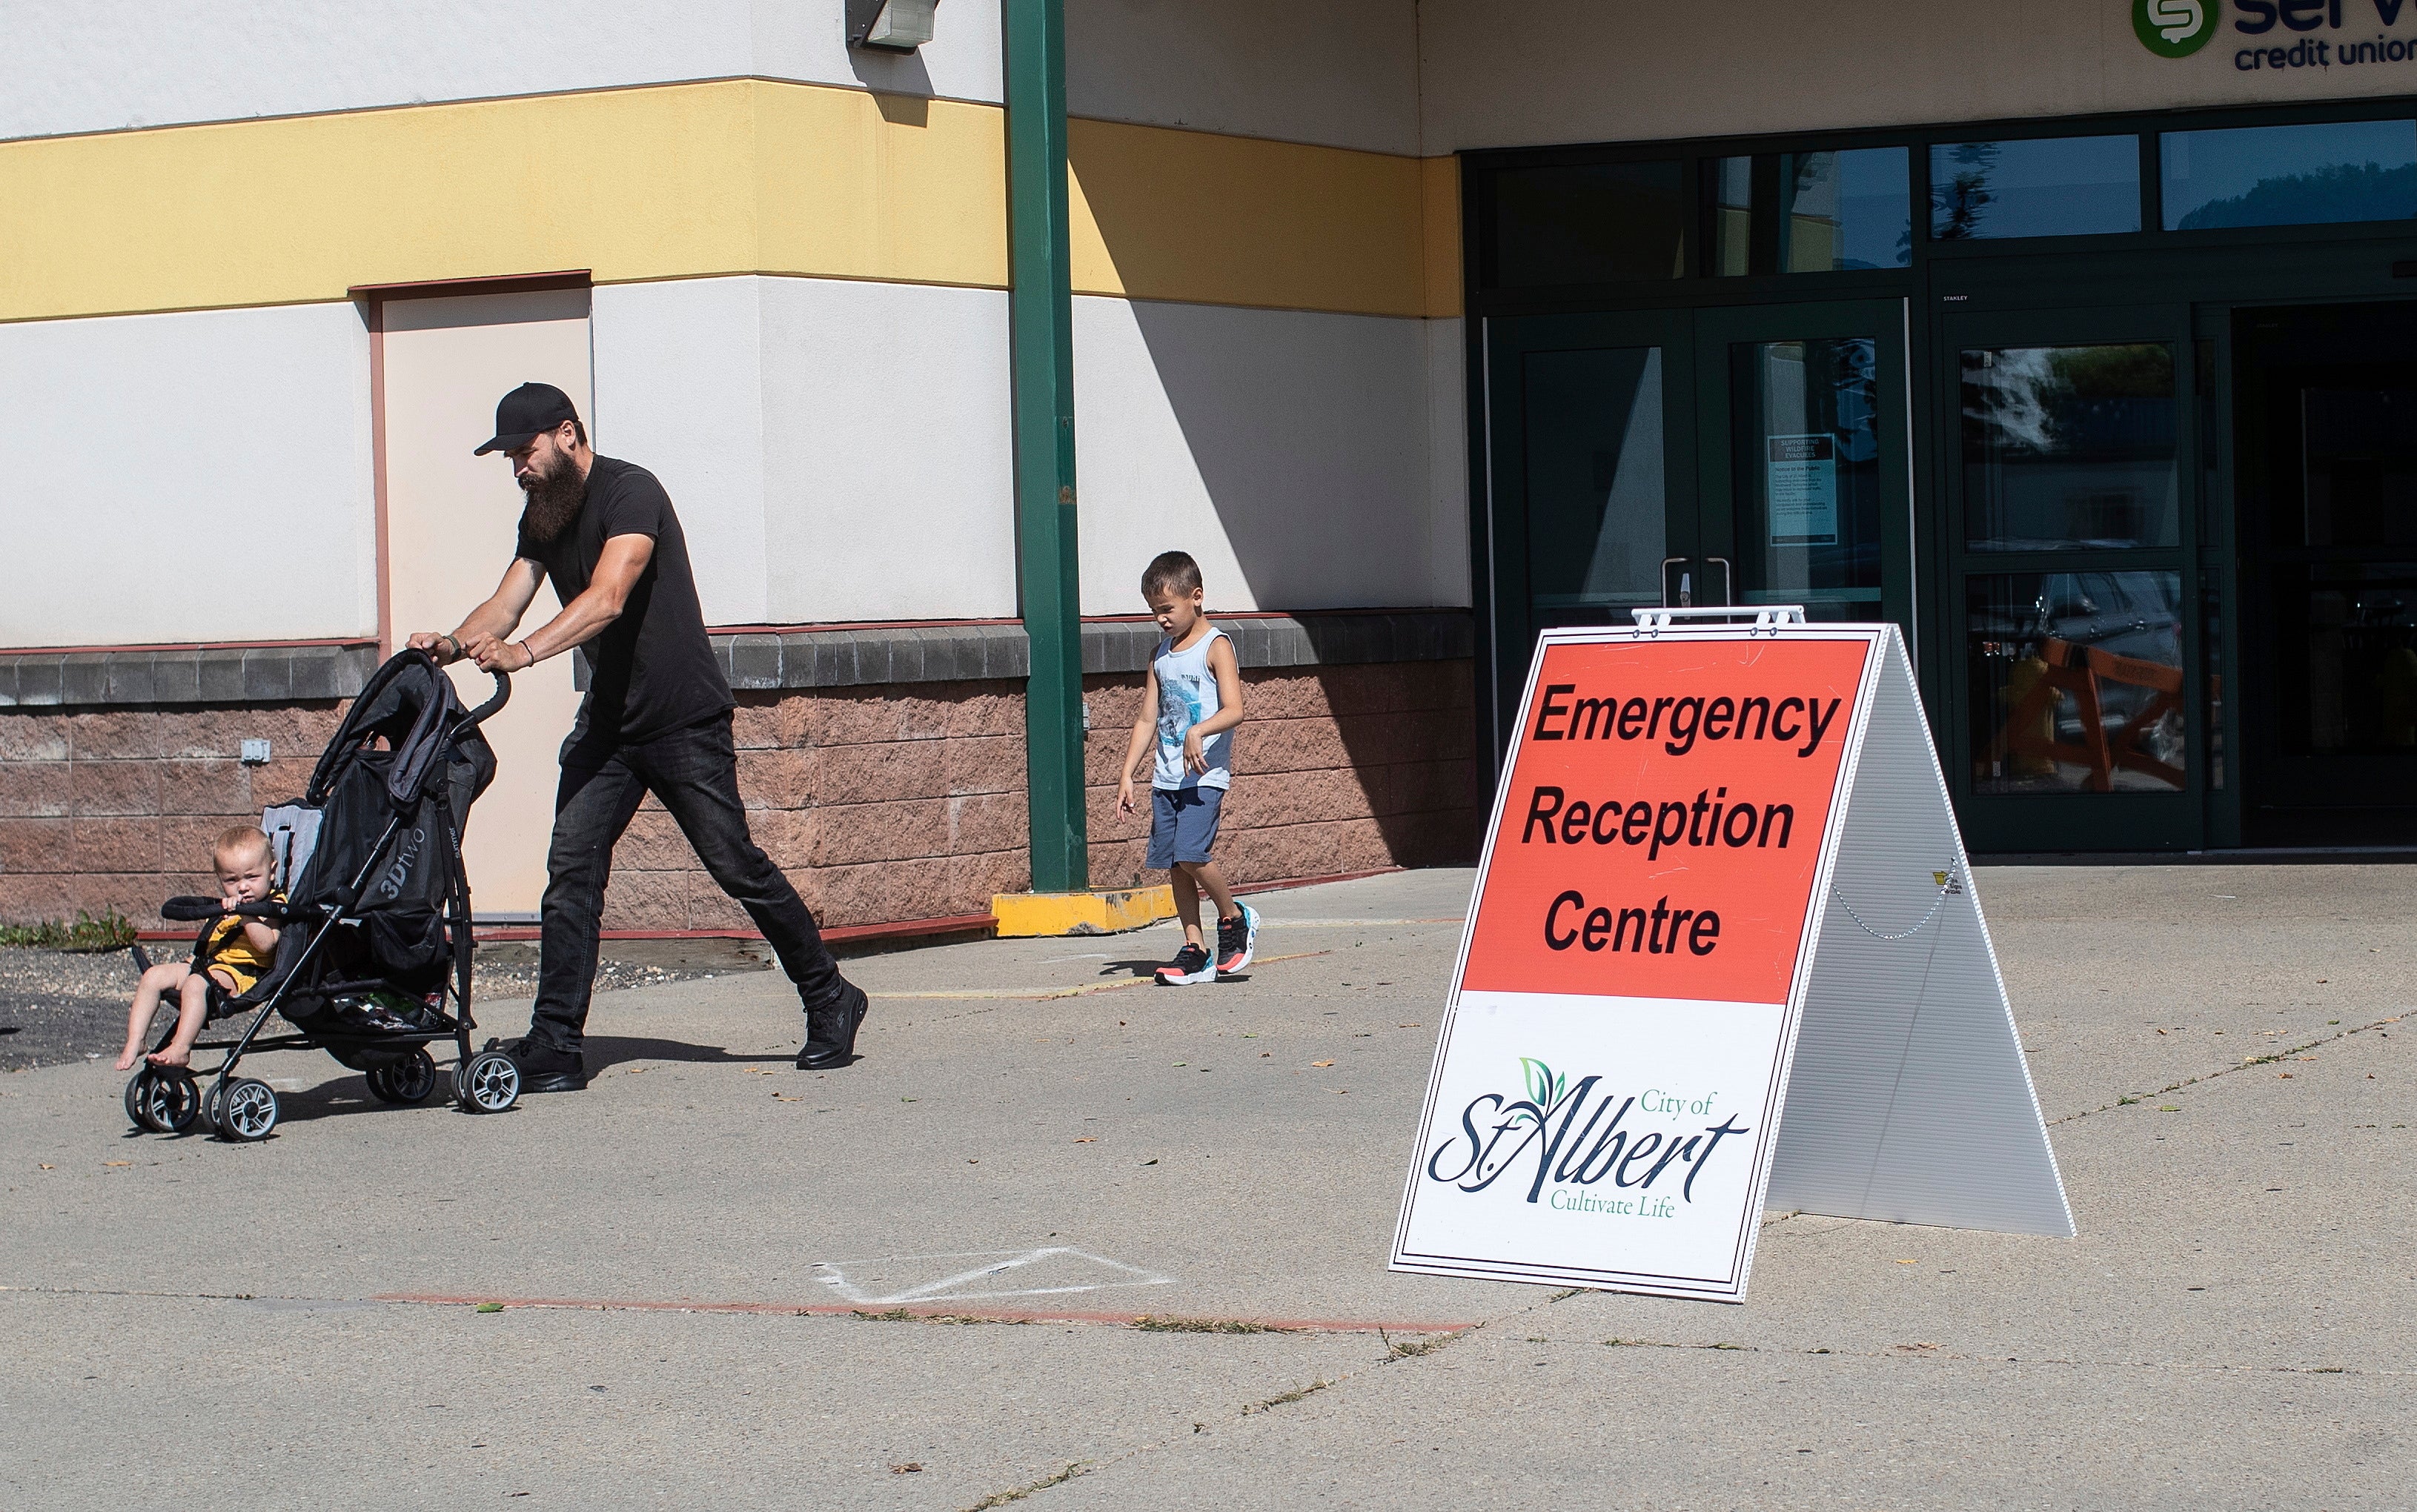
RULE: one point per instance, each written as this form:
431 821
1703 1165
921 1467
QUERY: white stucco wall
1583 70
1340 73
1448 519
107 65
837 450
1294 455
197 476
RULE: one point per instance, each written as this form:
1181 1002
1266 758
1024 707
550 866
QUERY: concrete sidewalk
1037 1133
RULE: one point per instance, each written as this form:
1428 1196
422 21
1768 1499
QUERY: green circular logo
2175 28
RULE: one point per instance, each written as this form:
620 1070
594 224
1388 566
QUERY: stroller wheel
138 1101
488 1082
164 1102
247 1111
404 1081
210 1107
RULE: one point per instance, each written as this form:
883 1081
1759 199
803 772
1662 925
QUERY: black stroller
375 930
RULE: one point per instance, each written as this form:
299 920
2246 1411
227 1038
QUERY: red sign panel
1665 805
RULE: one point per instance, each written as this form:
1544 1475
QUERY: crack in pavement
1395 1354
936 1312
2131 1099
1932 1351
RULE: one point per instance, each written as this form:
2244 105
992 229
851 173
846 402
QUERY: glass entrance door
2075 717
1736 456
1804 460
2326 494
1590 439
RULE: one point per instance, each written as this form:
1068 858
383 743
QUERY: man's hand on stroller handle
481 636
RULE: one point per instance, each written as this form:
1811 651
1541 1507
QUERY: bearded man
656 719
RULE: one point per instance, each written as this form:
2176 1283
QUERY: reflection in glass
2288 176
2348 659
1596 504
1842 210
2065 186
1807 470
2075 683
1732 196
2069 446
1811 212
1589 224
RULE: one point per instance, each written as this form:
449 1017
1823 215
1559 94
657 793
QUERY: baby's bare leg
160 979
190 1017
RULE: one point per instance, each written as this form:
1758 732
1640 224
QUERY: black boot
831 1032
543 1068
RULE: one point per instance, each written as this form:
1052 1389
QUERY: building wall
1342 73
1491 79
186 476
896 799
799 261
838 449
114 65
1288 451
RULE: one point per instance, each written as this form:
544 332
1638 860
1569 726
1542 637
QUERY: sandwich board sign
1725 953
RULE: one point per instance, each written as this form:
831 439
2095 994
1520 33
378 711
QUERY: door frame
1509 628
1886 322
2037 822
1698 441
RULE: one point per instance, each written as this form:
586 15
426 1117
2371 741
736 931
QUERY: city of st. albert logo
2175 28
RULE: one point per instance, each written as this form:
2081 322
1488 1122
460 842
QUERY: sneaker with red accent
1238 940
1190 967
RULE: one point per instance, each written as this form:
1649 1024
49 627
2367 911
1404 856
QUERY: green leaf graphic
1541 1082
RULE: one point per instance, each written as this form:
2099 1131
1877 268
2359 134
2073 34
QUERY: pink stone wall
1336 770
117 809
882 803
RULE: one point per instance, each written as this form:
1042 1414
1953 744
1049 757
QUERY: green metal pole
1041 325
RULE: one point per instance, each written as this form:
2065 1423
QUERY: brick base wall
1346 769
117 808
882 802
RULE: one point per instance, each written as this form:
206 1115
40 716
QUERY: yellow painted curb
1037 914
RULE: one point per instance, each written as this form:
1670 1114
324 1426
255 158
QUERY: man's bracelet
528 652
453 647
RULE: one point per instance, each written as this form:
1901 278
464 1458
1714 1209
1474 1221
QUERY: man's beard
553 501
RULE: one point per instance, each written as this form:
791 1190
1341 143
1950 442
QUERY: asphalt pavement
1067 1238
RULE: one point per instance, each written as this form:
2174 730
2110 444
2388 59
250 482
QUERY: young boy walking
1192 701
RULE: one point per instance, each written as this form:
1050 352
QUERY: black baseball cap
525 412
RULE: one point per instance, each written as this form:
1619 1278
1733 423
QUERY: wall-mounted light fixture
893 25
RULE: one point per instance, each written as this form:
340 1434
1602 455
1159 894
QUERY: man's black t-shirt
652 670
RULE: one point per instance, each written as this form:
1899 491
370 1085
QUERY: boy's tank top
1187 694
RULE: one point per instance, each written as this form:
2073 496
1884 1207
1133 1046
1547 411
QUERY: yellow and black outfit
229 949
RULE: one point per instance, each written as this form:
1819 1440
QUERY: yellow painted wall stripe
740 175
1163 214
744 175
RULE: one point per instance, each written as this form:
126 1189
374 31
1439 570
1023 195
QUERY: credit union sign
2282 36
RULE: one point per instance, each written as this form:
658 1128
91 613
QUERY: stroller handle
479 715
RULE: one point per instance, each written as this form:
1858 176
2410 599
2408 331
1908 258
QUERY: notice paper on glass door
1802 472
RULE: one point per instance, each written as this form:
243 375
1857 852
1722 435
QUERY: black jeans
694 771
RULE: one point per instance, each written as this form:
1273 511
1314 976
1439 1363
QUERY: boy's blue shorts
1183 824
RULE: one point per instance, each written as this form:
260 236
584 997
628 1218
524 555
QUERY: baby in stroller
238 952
353 928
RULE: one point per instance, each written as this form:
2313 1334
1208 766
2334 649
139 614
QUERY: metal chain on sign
1948 887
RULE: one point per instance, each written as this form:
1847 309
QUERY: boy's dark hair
1170 570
